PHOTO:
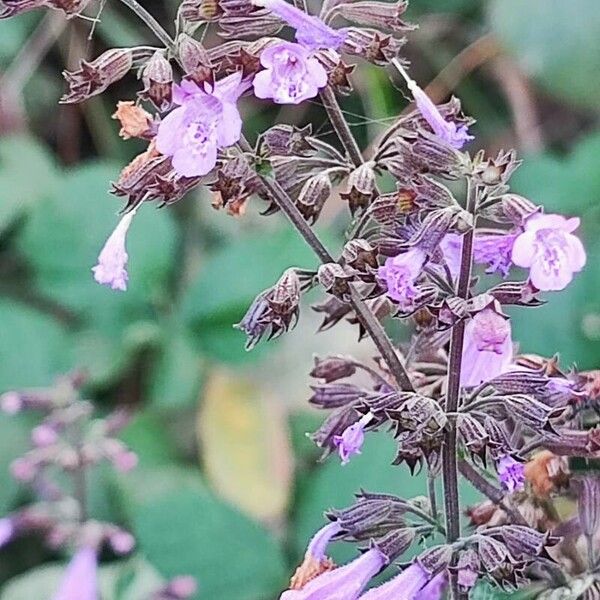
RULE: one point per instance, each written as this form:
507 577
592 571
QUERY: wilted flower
112 260
550 250
290 76
315 560
511 473
487 350
80 581
135 121
402 587
399 274
345 582
448 131
310 31
351 440
207 119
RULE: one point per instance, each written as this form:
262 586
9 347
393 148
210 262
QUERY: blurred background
228 487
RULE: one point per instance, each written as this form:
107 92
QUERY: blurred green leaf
13 34
244 445
20 156
14 441
560 49
146 436
62 240
177 375
33 347
183 529
133 579
228 283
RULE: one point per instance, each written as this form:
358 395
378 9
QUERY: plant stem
449 466
367 318
152 23
334 112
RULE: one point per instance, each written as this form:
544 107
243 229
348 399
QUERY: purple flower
80 581
352 438
7 530
112 260
434 590
345 582
448 131
290 76
318 544
495 251
487 350
402 587
550 251
310 31
511 473
207 119
466 578
399 274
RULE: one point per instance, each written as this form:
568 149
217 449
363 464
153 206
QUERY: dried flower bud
431 194
372 45
467 568
135 121
313 195
194 59
449 312
440 158
517 293
373 515
396 543
286 140
382 15
92 78
589 506
260 23
158 81
334 310
10 8
517 208
474 435
236 182
496 560
337 71
435 559
361 187
332 368
523 542
360 255
335 279
334 395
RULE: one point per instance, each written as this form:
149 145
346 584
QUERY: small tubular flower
290 75
399 273
448 131
80 581
207 119
352 439
511 473
345 582
310 31
550 250
488 350
405 586
112 261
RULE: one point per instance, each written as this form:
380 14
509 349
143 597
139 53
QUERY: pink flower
80 581
399 274
112 260
550 250
487 349
207 119
290 76
352 439
310 31
511 473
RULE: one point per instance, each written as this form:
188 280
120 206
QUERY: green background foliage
167 347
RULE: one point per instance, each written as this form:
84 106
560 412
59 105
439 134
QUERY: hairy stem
334 112
151 22
449 466
367 318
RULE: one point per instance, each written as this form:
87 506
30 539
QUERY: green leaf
183 529
20 156
145 435
560 50
13 34
62 240
134 579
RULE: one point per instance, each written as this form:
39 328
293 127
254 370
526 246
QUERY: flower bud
157 76
335 280
360 255
517 208
194 59
372 45
332 368
313 195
